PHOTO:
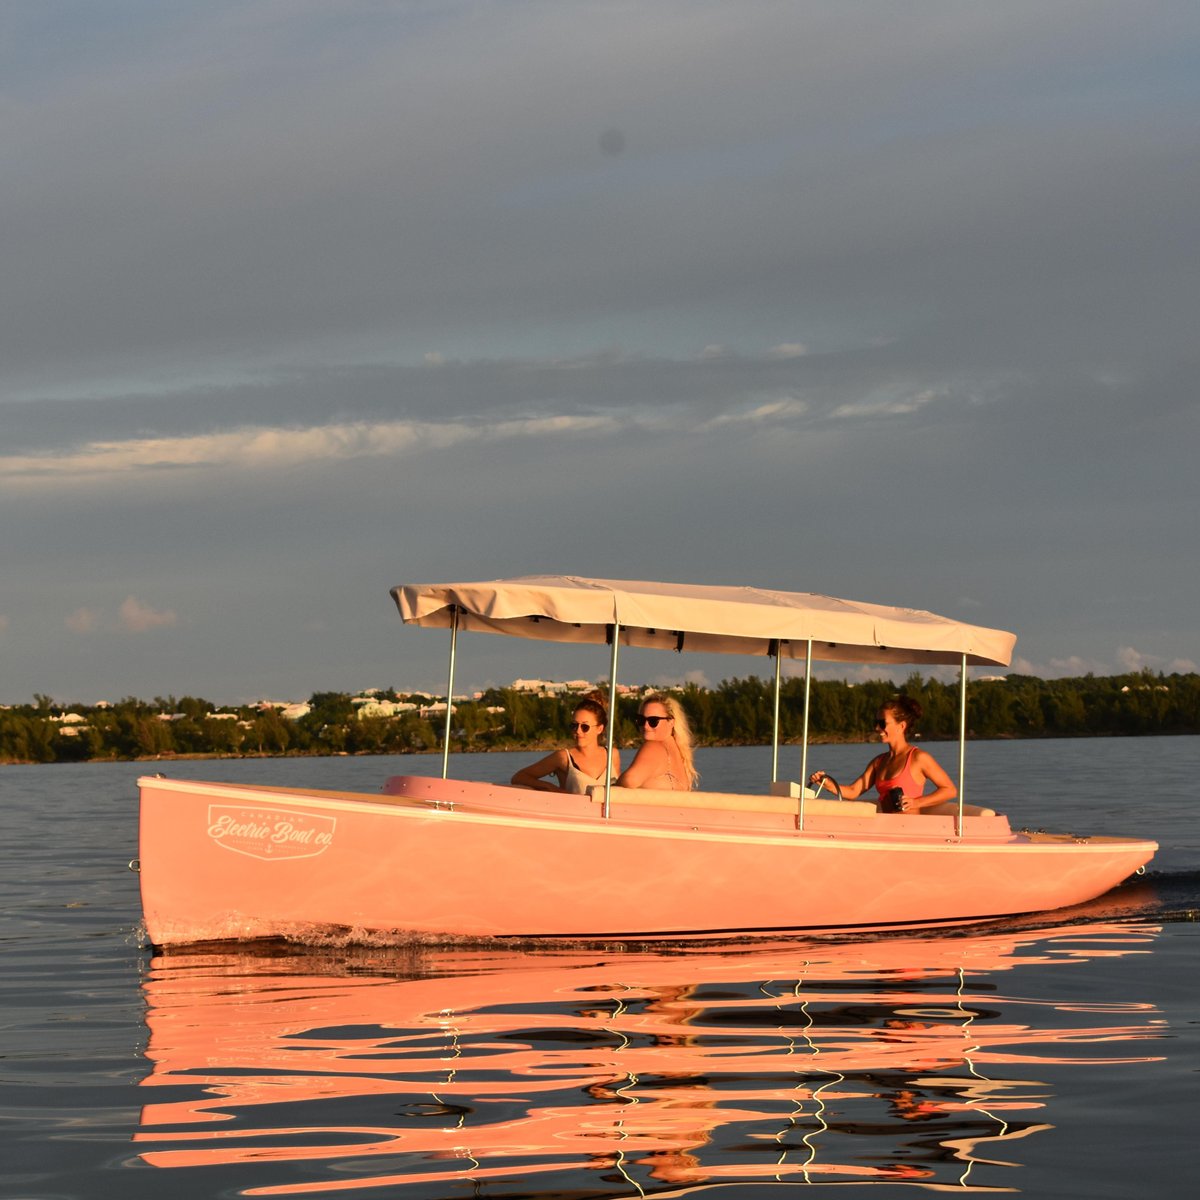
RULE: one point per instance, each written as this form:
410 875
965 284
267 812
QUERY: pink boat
444 858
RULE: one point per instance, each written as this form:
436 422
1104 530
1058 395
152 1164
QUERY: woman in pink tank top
901 766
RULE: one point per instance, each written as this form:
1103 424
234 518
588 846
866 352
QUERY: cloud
896 404
133 616
770 411
278 448
3 622
1126 661
138 617
1132 660
83 620
1057 668
789 350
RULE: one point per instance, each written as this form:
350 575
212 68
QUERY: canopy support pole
774 649
614 631
450 692
962 743
804 736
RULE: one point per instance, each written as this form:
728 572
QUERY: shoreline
542 747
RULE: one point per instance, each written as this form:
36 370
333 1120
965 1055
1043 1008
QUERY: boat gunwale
818 832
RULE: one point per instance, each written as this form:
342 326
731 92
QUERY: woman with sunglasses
664 759
901 768
578 769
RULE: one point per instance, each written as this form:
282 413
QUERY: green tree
269 732
223 737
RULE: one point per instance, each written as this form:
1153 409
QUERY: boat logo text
270 833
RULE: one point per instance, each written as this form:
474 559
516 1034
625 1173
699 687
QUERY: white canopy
702 619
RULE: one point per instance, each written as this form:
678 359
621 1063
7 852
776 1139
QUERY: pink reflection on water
577 1070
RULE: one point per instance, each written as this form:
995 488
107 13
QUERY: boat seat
733 802
950 809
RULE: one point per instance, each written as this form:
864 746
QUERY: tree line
735 712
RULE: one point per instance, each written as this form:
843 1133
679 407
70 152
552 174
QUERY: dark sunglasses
880 723
651 721
582 726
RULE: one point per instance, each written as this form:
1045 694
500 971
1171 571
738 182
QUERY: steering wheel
837 787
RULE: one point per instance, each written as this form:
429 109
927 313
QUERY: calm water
1052 1056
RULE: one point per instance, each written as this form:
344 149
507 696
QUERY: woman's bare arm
535 776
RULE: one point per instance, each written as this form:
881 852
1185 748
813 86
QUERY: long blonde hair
681 731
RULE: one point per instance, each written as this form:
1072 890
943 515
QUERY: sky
303 299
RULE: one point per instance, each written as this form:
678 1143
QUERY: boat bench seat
733 802
950 809
947 809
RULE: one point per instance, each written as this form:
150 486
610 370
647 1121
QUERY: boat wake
1158 897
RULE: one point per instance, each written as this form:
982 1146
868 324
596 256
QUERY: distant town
373 702
369 703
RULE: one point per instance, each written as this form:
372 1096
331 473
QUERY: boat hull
223 862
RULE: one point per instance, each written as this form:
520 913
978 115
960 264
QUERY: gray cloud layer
306 299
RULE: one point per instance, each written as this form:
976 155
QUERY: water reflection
605 1073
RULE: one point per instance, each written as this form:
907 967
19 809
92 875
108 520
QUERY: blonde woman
664 759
